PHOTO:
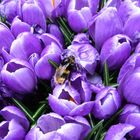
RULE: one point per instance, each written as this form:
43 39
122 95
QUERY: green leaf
94 130
106 74
91 120
113 118
39 111
54 64
27 112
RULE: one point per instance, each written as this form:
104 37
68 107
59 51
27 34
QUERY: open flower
16 123
15 75
52 126
73 99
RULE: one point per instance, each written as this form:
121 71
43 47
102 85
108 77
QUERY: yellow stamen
53 2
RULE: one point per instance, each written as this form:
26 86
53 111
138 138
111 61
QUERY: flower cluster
69 69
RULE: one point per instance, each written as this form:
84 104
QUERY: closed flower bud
19 76
25 45
112 51
107 102
104 25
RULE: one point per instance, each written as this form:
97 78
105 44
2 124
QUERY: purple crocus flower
79 15
6 37
131 115
107 102
126 9
18 27
73 99
33 15
113 49
24 45
134 32
52 126
51 8
19 72
104 25
118 131
16 123
33 59
85 55
130 87
129 65
54 30
43 68
137 49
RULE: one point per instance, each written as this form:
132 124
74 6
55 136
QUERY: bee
64 70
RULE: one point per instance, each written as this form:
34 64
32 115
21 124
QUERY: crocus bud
25 45
131 115
6 37
18 27
104 25
15 75
134 32
54 30
16 123
85 55
52 126
118 131
32 14
107 102
112 51
43 68
130 86
126 9
79 15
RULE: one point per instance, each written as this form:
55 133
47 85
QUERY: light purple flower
118 131
104 25
24 45
78 15
52 126
19 72
16 123
131 115
112 51
107 102
43 68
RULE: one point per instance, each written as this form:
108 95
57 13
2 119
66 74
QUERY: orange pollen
71 99
53 2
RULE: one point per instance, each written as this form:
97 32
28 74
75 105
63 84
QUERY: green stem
106 74
39 111
24 109
91 121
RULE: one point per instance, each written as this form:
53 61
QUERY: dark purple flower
52 126
104 25
43 68
16 123
18 27
24 45
118 131
107 102
131 115
85 55
112 51
54 30
15 75
79 15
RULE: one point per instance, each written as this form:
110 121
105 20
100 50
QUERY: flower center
53 3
